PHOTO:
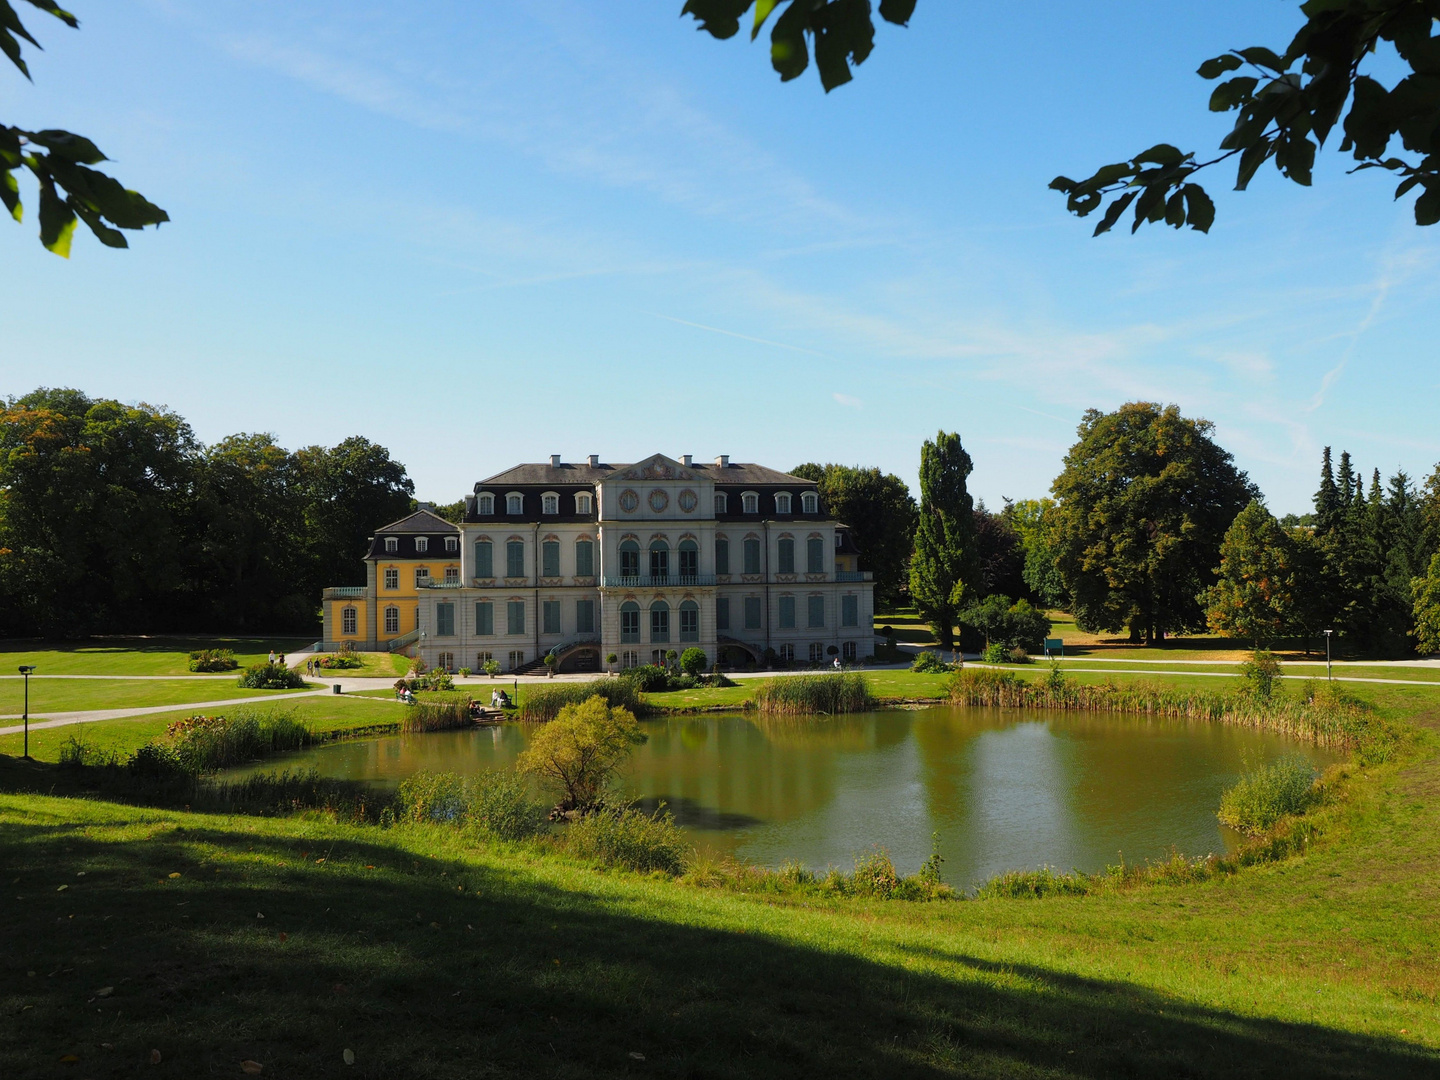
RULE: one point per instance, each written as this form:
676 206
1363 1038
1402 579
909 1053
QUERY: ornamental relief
688 501
659 500
629 501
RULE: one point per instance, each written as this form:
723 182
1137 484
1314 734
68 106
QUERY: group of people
277 658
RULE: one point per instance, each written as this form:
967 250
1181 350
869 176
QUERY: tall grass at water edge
497 803
1265 795
796 695
202 744
544 704
437 714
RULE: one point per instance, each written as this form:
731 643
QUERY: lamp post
26 669
1327 634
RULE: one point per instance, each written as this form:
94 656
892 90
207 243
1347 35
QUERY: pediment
655 467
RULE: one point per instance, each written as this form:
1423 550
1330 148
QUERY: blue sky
480 233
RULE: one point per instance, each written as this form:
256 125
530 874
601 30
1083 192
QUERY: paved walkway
90 716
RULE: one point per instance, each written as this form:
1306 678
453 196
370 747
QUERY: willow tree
943 566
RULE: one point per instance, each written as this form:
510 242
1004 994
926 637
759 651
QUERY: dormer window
422 543
514 503
750 502
810 502
782 503
722 502
582 503
452 543
550 503
485 504
392 544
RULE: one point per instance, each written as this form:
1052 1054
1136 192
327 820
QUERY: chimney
554 461
594 461
723 461
685 460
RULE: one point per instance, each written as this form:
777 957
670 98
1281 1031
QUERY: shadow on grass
428 966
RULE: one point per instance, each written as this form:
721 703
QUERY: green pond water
1003 789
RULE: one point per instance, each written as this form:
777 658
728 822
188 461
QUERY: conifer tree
1327 499
942 570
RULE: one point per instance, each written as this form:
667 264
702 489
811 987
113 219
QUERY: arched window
659 622
582 503
629 622
785 555
485 503
630 561
659 559
689 621
392 543
782 503
452 543
750 502
584 558
515 558
392 620
514 503
810 502
722 502
422 543
689 559
550 503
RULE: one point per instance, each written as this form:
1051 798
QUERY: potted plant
611 661
550 663
492 667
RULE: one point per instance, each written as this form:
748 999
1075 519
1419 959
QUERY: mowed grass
323 714
288 941
71 695
373 665
135 655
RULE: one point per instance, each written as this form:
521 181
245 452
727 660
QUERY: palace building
583 560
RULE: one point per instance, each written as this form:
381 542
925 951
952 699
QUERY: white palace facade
586 560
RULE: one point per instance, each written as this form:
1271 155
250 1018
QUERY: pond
997 789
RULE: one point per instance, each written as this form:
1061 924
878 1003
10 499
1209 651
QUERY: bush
648 678
213 660
842 692
875 875
631 839
693 661
155 761
77 753
271 677
206 743
1034 885
492 667
545 703
580 751
929 662
339 662
1265 795
1018 655
1259 673
995 653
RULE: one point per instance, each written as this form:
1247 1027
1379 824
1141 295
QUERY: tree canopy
943 567
880 512
1256 596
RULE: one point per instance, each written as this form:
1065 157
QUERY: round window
629 501
688 501
659 500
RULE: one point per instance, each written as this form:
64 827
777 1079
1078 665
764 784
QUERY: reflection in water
1003 789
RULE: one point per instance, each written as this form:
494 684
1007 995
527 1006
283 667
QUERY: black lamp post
26 669
1327 634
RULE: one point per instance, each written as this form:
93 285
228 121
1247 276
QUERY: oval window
688 500
629 501
659 500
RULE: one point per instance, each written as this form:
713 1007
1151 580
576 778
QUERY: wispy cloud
848 401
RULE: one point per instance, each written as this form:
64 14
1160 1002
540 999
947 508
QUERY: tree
60 163
880 512
1256 594
943 566
1032 520
1426 591
693 661
581 750
1144 501
999 555
1004 623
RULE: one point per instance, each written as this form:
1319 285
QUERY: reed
1264 795
796 695
630 838
206 743
544 704
439 715
496 803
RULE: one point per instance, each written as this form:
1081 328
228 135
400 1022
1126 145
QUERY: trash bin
335 688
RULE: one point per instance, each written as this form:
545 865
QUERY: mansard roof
568 473
421 521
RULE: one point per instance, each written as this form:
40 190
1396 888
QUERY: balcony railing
657 581
344 592
437 583
854 575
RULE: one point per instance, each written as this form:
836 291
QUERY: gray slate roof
546 475
422 521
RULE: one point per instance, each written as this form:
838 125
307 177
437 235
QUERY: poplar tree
942 568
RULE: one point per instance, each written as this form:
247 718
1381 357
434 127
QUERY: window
782 503
452 575
584 616
550 558
484 618
422 543
752 555
752 613
550 503
417 618
787 653
810 502
817 652
817 611
445 620
392 620
689 559
517 659
657 657
630 658
392 544
659 559
582 503
550 617
786 554
722 555
485 504
847 650
629 558
629 621
659 621
349 621
750 502
722 613
815 555
689 621
584 558
483 658
722 502
392 577
515 617
445 661
422 576
787 613
484 559
849 611
515 558
514 503
452 543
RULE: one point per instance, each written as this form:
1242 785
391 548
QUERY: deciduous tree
943 566
1426 593
1256 594
580 751
880 512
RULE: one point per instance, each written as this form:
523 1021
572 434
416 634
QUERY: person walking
272 657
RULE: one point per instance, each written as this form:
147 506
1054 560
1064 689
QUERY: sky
480 233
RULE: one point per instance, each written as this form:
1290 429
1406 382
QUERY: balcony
661 581
344 592
436 583
854 575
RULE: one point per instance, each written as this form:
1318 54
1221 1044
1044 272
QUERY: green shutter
484 559
787 612
484 617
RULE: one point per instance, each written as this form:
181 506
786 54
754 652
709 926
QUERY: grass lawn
135 655
289 941
374 665
1290 669
67 695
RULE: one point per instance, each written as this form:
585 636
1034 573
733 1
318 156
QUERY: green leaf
763 8
718 18
789 55
1201 207
1175 210
897 11
57 220
1427 206
11 48
1112 214
1253 157
1161 154
1219 65
106 235
10 194
1062 183
1232 93
1263 57
70 146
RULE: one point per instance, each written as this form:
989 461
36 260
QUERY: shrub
1034 885
431 797
495 803
580 751
545 703
693 661
1018 655
631 839
271 677
340 661
648 678
492 667
76 753
154 761
1263 796
995 653
213 660
929 662
1259 673
464 672
875 875
841 692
